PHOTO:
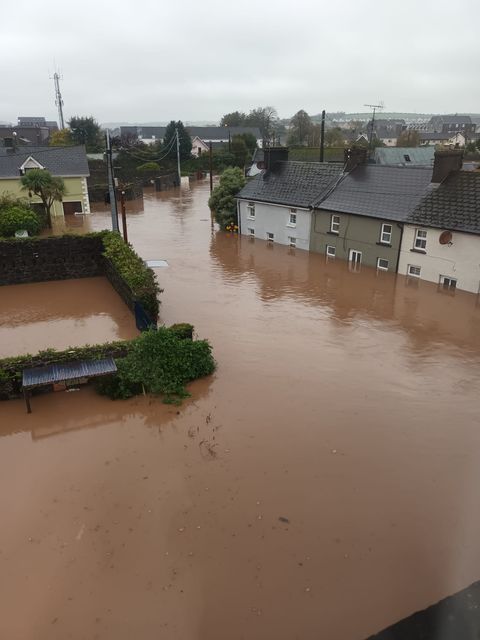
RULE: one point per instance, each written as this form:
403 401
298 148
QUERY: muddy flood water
323 484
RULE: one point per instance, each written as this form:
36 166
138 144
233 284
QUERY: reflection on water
321 484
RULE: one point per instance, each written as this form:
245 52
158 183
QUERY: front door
355 257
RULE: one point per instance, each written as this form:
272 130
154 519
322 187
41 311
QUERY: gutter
401 227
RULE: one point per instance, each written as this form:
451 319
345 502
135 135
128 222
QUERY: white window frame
270 239
379 267
251 232
384 240
413 274
329 249
335 223
448 287
350 257
251 211
292 241
420 242
292 223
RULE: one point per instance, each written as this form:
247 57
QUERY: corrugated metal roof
40 376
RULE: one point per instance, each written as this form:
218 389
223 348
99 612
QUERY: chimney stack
446 162
354 157
272 155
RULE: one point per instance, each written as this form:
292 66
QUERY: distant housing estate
28 131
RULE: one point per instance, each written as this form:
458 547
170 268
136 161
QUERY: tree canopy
61 138
265 118
234 119
300 128
47 187
183 136
222 201
408 138
86 130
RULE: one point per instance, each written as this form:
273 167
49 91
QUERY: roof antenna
372 128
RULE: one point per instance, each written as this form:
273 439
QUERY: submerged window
382 264
270 237
448 283
330 251
292 241
251 231
413 270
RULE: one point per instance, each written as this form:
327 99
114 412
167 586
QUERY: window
386 234
407 157
270 237
382 264
448 283
293 211
355 257
330 251
420 239
292 220
251 210
413 270
335 224
251 231
292 241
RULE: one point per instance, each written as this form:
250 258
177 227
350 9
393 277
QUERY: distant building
29 131
405 156
70 163
453 124
216 135
442 138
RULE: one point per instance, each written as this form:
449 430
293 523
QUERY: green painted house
69 163
362 218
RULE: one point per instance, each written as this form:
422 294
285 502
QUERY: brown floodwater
60 314
322 484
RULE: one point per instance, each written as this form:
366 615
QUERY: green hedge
130 266
11 368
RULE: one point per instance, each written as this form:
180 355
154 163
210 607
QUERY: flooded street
322 484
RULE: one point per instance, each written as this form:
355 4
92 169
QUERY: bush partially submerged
222 201
159 362
16 215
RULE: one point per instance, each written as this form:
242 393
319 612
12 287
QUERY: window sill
418 251
291 226
384 244
250 218
333 233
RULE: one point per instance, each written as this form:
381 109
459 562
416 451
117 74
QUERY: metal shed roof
40 376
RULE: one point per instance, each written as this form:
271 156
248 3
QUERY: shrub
160 362
15 218
140 278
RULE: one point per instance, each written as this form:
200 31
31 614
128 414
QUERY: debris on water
334 451
283 519
307 589
181 530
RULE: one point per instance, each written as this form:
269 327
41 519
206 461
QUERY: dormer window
30 163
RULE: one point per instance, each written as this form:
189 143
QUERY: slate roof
379 191
395 156
295 184
426 135
454 205
60 161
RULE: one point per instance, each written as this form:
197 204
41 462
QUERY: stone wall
57 258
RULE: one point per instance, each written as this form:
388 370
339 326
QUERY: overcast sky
154 60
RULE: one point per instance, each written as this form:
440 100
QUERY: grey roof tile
453 205
60 161
296 184
379 191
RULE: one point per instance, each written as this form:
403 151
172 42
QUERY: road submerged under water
322 484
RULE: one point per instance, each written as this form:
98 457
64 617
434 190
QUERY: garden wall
58 258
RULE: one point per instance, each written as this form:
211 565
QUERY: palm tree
47 187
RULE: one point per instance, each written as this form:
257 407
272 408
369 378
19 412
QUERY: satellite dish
445 237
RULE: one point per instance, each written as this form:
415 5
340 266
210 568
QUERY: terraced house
441 239
69 163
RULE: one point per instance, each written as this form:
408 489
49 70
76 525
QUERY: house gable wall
272 218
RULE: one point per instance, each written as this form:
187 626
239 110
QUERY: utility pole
374 107
322 137
124 216
211 166
59 100
111 185
178 158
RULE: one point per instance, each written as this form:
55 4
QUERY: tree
61 138
184 138
239 150
16 214
249 140
149 170
300 128
408 138
234 119
222 201
334 137
47 187
265 118
86 130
